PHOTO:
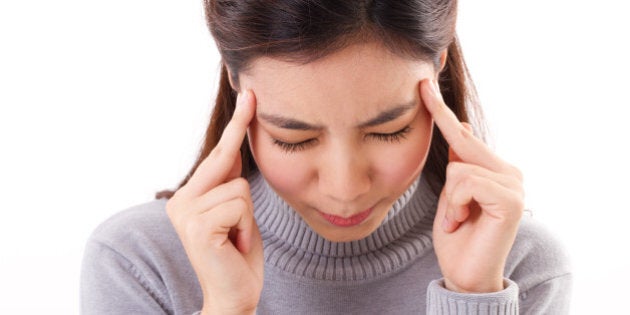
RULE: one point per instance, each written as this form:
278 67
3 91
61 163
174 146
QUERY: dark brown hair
301 31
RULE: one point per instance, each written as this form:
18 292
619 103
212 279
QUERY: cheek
286 173
404 162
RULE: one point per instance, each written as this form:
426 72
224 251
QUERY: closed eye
394 137
294 147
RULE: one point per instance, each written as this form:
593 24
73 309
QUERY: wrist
211 311
495 285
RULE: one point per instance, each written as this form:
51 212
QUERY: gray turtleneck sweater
134 263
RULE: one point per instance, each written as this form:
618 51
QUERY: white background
102 103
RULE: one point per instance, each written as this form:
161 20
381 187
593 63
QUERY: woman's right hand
213 216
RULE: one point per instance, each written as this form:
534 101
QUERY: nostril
345 189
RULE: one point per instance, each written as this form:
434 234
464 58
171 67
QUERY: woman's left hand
479 208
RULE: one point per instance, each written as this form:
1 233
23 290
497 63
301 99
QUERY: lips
346 222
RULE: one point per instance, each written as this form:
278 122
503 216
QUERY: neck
292 245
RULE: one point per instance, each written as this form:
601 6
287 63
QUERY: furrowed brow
288 123
389 115
294 124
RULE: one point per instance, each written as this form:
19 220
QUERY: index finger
217 165
461 140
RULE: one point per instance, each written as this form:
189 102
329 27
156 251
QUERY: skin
343 172
344 169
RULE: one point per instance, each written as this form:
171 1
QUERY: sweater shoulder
537 255
135 263
137 229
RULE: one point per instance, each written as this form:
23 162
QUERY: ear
443 57
229 72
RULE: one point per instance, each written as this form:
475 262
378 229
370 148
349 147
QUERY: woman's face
340 138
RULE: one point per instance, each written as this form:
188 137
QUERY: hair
302 31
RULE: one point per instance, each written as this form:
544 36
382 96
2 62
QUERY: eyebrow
389 114
288 123
381 118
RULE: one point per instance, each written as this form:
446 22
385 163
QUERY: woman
339 175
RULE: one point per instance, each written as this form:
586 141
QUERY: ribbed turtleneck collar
291 245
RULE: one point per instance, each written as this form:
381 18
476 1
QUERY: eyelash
395 137
293 147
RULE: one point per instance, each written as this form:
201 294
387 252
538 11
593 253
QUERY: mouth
349 221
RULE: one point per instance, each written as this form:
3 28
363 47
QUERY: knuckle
468 181
513 171
177 202
518 213
455 180
175 215
241 204
519 203
517 206
464 133
238 204
452 169
216 151
171 207
520 192
518 173
241 184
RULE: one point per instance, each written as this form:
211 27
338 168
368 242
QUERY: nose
344 175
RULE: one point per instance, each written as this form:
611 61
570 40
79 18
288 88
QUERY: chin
339 234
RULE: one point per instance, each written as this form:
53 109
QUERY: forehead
362 78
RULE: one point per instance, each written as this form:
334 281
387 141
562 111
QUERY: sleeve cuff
441 301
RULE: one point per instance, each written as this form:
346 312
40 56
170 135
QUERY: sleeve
549 297
110 284
541 266
538 280
441 301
